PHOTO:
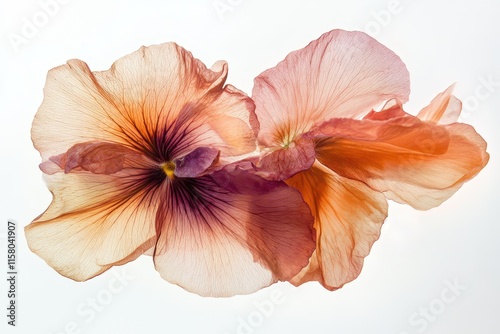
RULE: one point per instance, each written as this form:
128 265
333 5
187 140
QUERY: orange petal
94 221
341 74
413 162
348 218
232 232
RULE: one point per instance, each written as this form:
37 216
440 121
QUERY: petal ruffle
135 101
155 85
231 232
96 157
341 74
410 161
348 218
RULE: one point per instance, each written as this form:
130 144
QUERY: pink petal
341 74
348 218
284 163
413 162
232 232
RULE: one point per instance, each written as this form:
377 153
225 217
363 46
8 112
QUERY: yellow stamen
169 169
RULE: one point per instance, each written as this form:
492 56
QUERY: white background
406 273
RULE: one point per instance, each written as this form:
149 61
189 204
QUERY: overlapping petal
411 161
139 159
325 94
348 218
196 162
341 74
231 232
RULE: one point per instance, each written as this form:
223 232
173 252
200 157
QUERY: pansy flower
140 159
320 133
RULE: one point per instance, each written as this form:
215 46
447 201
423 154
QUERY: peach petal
403 131
443 109
341 74
137 98
348 218
153 86
426 182
232 232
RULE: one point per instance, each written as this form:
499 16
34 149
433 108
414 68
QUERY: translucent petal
348 218
341 74
232 232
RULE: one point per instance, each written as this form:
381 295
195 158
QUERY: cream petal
74 110
341 74
94 221
348 218
231 232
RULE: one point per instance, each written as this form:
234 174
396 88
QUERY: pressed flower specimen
137 159
157 156
320 133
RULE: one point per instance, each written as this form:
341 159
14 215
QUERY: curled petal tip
443 109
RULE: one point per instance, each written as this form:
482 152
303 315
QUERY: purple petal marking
196 162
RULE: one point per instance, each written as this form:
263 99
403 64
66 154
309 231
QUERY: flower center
288 145
288 141
169 169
